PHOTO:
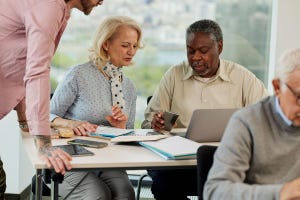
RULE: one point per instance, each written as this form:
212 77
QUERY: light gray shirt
85 95
257 155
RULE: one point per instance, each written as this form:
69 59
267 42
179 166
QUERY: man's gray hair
206 26
288 62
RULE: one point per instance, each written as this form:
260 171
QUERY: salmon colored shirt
30 31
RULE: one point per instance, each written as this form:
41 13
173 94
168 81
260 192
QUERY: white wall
288 29
19 170
285 30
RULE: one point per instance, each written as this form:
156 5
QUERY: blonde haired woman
97 93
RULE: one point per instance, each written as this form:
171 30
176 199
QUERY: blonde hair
106 30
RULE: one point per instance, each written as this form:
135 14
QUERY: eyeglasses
295 94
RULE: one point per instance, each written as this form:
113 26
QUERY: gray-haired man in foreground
258 155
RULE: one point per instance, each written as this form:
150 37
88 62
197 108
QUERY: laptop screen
208 125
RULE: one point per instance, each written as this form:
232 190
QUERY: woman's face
122 46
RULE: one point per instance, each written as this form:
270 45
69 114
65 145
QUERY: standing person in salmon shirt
29 35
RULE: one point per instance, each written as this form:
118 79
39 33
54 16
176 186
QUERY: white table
114 156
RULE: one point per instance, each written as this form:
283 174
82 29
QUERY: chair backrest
148 99
205 157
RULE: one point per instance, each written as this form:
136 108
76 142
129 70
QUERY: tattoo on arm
43 144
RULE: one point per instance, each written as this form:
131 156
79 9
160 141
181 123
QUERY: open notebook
127 135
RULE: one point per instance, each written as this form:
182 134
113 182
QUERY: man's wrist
42 141
23 125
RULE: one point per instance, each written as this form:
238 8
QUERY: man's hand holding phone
164 120
169 120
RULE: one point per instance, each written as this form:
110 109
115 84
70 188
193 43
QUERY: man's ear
276 86
220 46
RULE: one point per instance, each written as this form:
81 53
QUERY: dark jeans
2 181
173 184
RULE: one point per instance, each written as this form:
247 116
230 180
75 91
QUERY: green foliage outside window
61 60
145 78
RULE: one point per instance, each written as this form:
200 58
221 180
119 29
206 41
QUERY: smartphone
88 143
170 119
75 150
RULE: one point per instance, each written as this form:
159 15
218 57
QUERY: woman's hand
79 127
82 127
118 119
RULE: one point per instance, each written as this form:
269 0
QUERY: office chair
148 99
49 176
205 157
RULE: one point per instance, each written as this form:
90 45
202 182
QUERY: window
246 27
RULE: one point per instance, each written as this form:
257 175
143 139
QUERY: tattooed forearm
42 140
43 143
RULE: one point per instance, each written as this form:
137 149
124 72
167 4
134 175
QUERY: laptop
208 125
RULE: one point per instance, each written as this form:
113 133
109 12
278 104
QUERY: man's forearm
43 143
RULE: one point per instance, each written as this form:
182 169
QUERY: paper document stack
174 148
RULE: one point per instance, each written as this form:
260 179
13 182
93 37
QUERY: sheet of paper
111 132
